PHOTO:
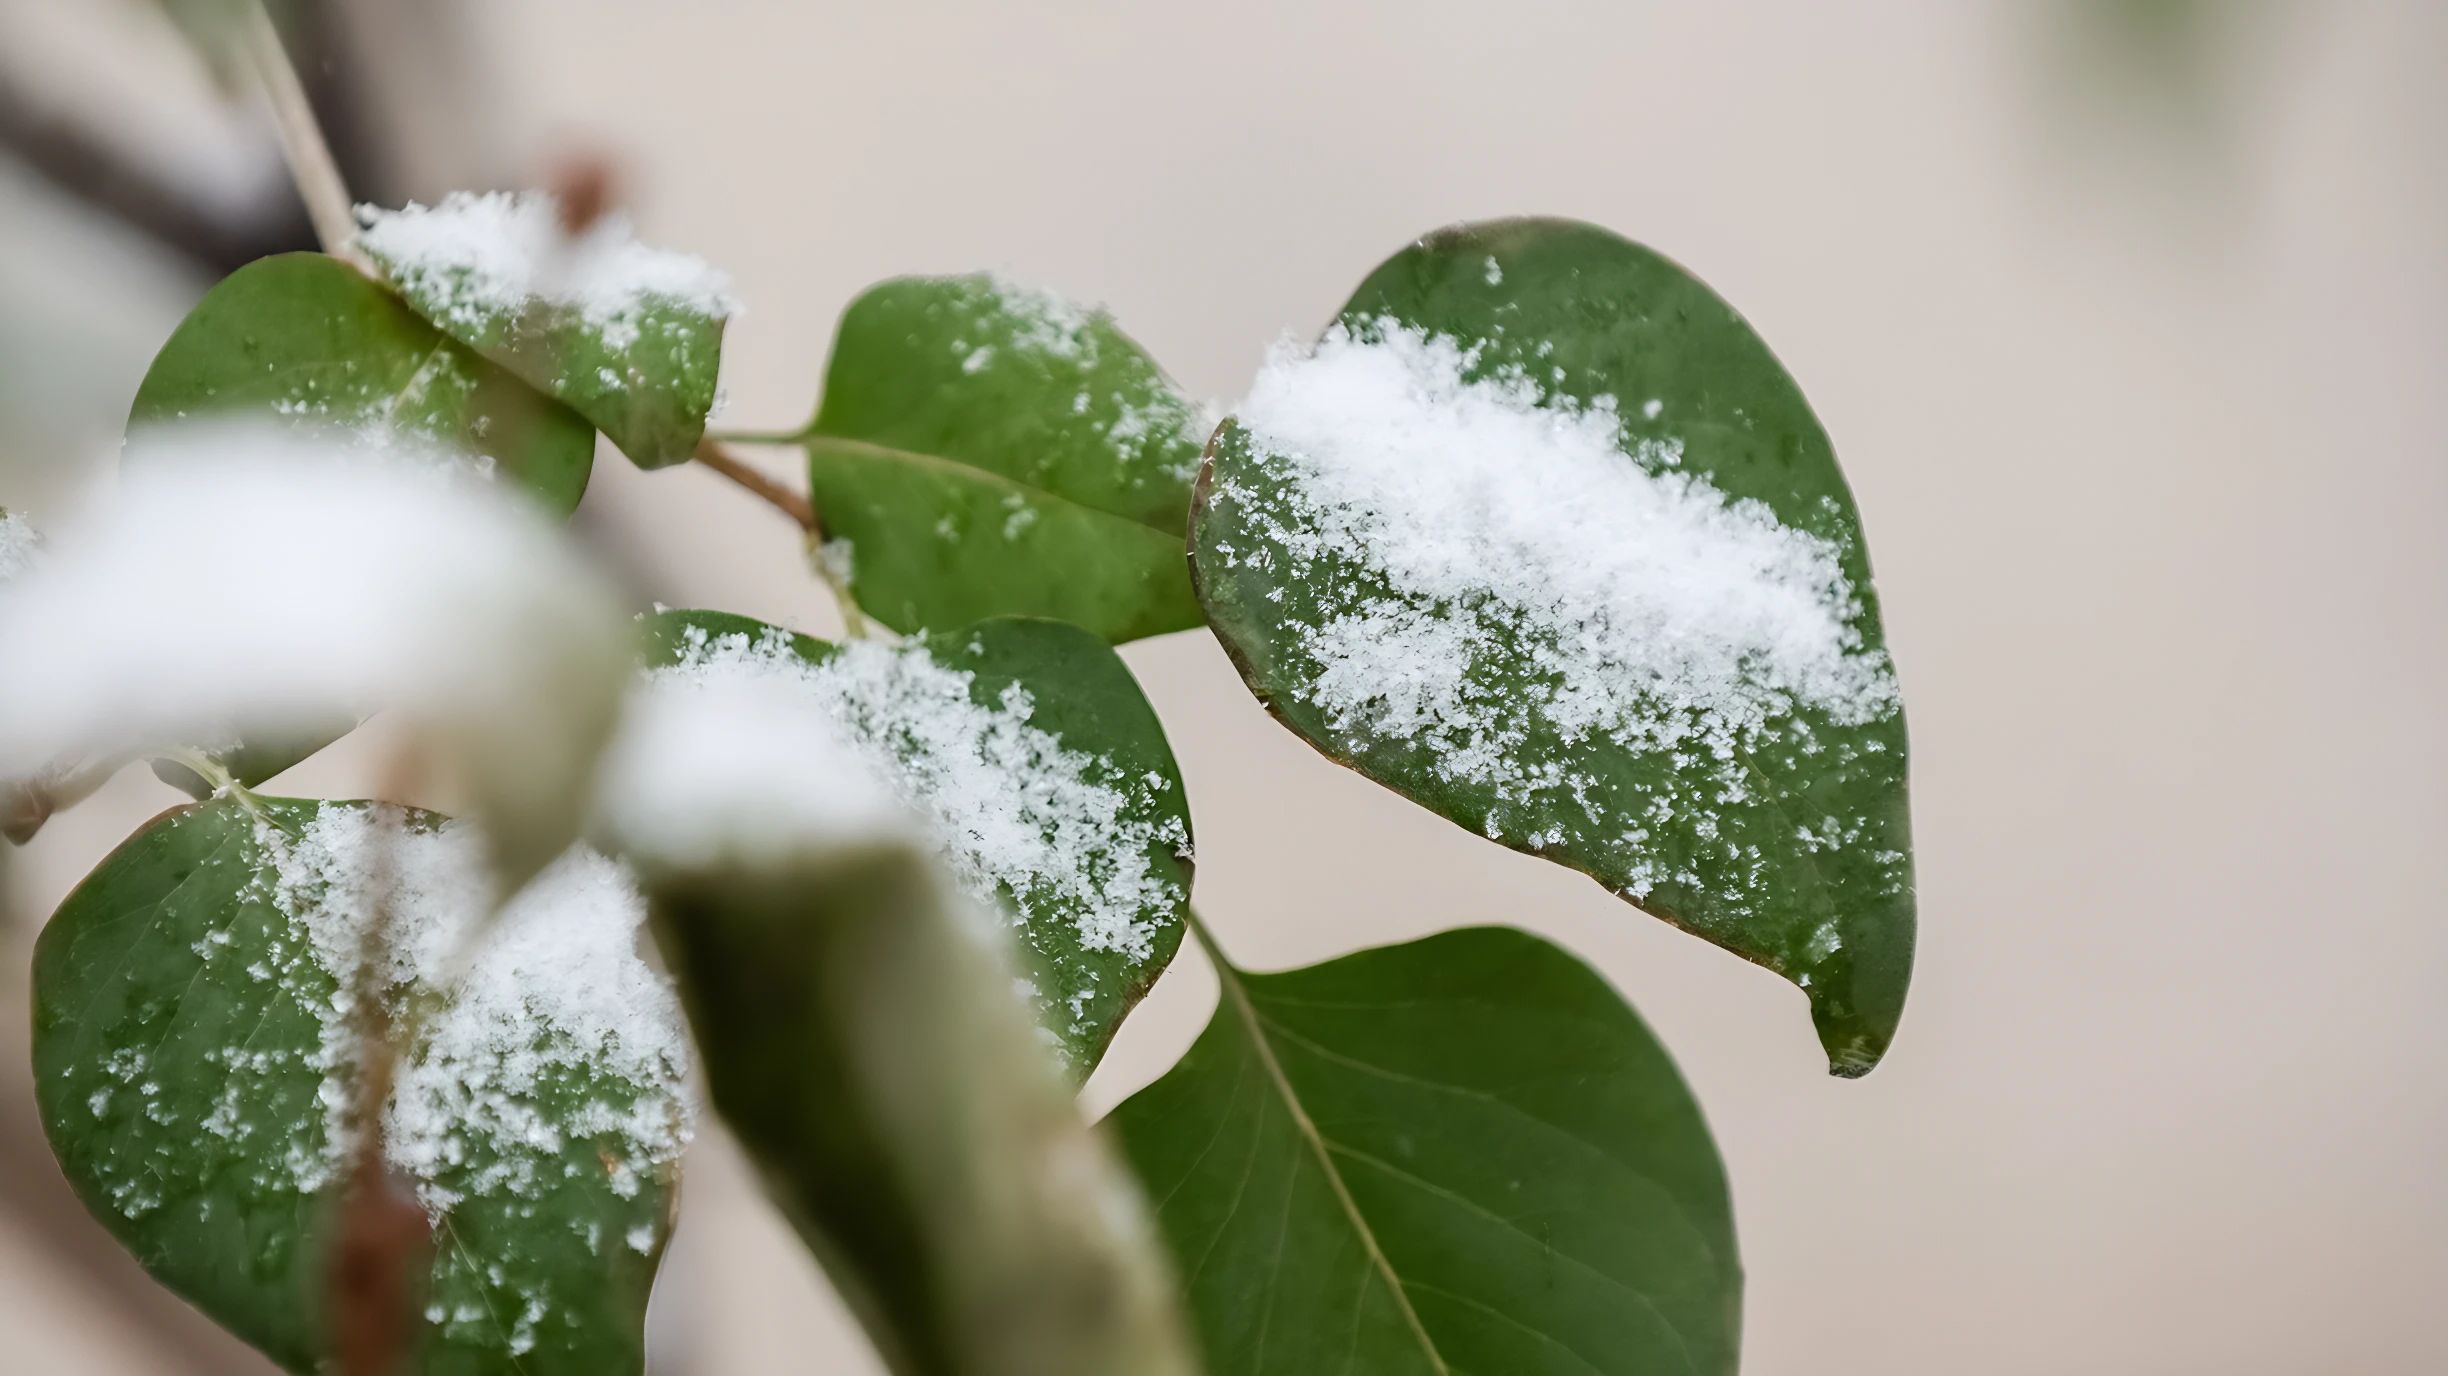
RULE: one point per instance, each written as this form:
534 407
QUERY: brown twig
713 455
301 138
383 1241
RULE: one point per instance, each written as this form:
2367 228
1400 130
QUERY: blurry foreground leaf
1052 790
861 1037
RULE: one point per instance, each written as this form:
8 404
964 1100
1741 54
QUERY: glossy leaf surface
1463 1154
987 449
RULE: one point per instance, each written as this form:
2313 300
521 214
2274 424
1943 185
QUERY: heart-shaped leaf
1461 1154
1543 537
862 1039
311 340
1043 774
987 449
195 1070
629 336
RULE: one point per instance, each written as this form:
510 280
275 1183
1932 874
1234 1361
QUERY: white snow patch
18 543
1004 802
715 768
555 995
1044 322
248 578
253 579
486 257
1471 533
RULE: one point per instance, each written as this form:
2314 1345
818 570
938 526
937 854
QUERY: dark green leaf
189 1057
1777 828
642 371
1050 733
861 1039
987 449
311 340
1465 1154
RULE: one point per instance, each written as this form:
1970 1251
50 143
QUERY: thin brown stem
309 157
383 1241
713 455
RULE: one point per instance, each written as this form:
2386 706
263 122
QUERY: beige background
2138 373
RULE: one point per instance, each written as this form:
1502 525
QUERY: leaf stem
382 1238
713 455
770 438
834 568
212 771
1235 995
303 147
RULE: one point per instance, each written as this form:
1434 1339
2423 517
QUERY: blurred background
2129 318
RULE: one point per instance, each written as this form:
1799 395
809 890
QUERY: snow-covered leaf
1040 773
1461 1154
862 1039
1542 536
195 1069
987 449
629 336
309 340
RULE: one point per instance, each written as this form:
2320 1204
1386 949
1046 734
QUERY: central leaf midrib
946 463
1228 977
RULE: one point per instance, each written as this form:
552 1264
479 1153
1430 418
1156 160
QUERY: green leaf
309 339
861 1039
1766 817
1461 1154
1013 727
190 1060
987 449
629 337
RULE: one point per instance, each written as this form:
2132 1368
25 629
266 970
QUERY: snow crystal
1468 534
555 999
1044 322
18 543
1005 803
485 257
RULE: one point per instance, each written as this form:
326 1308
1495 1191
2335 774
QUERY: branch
712 454
309 157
